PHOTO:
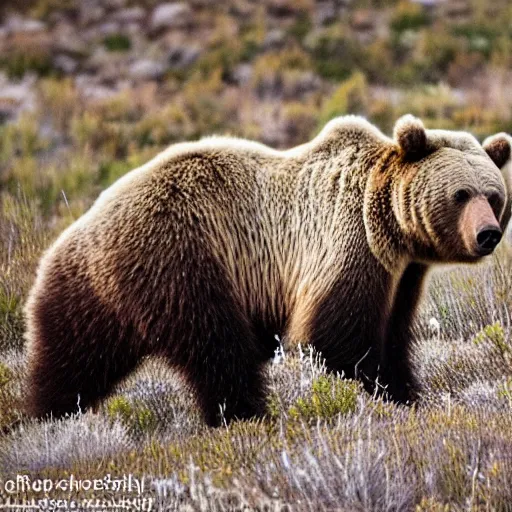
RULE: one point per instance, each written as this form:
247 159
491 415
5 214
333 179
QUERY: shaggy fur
208 251
499 147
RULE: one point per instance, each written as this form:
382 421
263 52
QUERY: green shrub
408 16
271 66
505 390
351 97
138 419
301 26
117 43
495 335
19 63
9 401
453 479
252 35
334 52
111 170
480 37
435 104
434 52
6 375
330 396
62 102
20 139
300 121
43 8
22 238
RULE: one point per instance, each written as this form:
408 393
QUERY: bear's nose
487 239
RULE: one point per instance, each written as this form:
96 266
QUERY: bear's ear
498 148
411 136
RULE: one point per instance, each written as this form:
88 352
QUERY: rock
16 97
297 83
364 24
133 29
90 14
107 66
55 17
325 12
171 15
90 89
109 28
242 74
243 9
457 11
65 40
182 56
65 63
23 34
18 25
363 20
130 15
147 70
113 4
274 40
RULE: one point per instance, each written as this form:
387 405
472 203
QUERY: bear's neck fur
377 167
386 237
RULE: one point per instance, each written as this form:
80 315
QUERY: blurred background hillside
90 89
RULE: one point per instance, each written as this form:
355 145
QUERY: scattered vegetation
330 397
117 43
277 75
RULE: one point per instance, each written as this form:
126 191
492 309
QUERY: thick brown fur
205 253
499 147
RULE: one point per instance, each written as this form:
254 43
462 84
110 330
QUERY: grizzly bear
208 251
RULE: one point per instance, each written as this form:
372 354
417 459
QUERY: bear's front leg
395 371
349 325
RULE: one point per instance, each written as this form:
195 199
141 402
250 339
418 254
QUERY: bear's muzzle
479 228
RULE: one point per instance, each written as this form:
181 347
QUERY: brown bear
208 251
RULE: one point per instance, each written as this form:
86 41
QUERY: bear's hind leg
225 367
78 352
235 391
220 355
59 386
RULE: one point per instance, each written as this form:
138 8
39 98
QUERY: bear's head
445 195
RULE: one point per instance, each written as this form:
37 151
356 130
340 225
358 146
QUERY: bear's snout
488 238
479 227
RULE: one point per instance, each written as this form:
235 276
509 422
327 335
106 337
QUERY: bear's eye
494 200
461 196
